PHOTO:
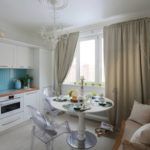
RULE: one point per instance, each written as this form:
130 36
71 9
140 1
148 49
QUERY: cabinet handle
10 122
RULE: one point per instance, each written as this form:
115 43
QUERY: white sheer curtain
126 58
64 54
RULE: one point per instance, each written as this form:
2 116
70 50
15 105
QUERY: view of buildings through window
88 61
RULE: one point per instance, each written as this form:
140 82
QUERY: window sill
85 86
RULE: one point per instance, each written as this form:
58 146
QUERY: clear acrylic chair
48 107
44 130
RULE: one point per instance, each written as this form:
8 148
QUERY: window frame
97 36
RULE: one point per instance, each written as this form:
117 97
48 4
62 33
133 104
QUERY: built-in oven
11 105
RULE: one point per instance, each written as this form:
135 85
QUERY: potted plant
26 81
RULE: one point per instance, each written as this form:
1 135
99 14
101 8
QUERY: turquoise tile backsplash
7 77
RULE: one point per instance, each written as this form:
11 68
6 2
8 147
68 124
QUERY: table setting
82 104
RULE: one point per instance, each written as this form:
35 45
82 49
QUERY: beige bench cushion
130 128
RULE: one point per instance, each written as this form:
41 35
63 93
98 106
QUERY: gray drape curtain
64 53
126 59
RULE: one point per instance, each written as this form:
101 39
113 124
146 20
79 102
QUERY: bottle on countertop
18 84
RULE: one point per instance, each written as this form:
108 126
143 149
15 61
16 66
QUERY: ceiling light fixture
53 34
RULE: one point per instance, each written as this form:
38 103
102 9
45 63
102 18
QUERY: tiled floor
19 138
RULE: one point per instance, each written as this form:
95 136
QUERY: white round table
80 138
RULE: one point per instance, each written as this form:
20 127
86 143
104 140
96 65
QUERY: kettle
18 84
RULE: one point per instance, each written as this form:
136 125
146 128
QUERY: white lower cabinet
30 98
11 121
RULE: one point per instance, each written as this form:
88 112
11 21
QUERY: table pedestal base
89 141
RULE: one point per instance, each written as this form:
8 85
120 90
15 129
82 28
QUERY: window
88 60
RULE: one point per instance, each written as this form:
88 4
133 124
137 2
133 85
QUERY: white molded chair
44 130
48 107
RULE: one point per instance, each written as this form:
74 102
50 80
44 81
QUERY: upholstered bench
135 132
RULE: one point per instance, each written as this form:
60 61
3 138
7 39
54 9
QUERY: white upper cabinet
14 56
23 57
6 55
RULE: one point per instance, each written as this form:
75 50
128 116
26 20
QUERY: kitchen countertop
15 91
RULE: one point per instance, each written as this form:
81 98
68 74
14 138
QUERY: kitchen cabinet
15 56
19 112
23 57
6 55
11 121
12 111
30 98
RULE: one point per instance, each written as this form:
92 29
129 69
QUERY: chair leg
52 145
48 146
32 138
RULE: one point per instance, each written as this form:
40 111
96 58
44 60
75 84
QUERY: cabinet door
30 98
6 55
11 121
24 57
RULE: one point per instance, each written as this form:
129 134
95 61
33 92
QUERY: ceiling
31 14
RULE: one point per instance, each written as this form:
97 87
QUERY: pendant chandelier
53 35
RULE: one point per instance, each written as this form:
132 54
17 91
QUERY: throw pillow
140 113
142 135
133 146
